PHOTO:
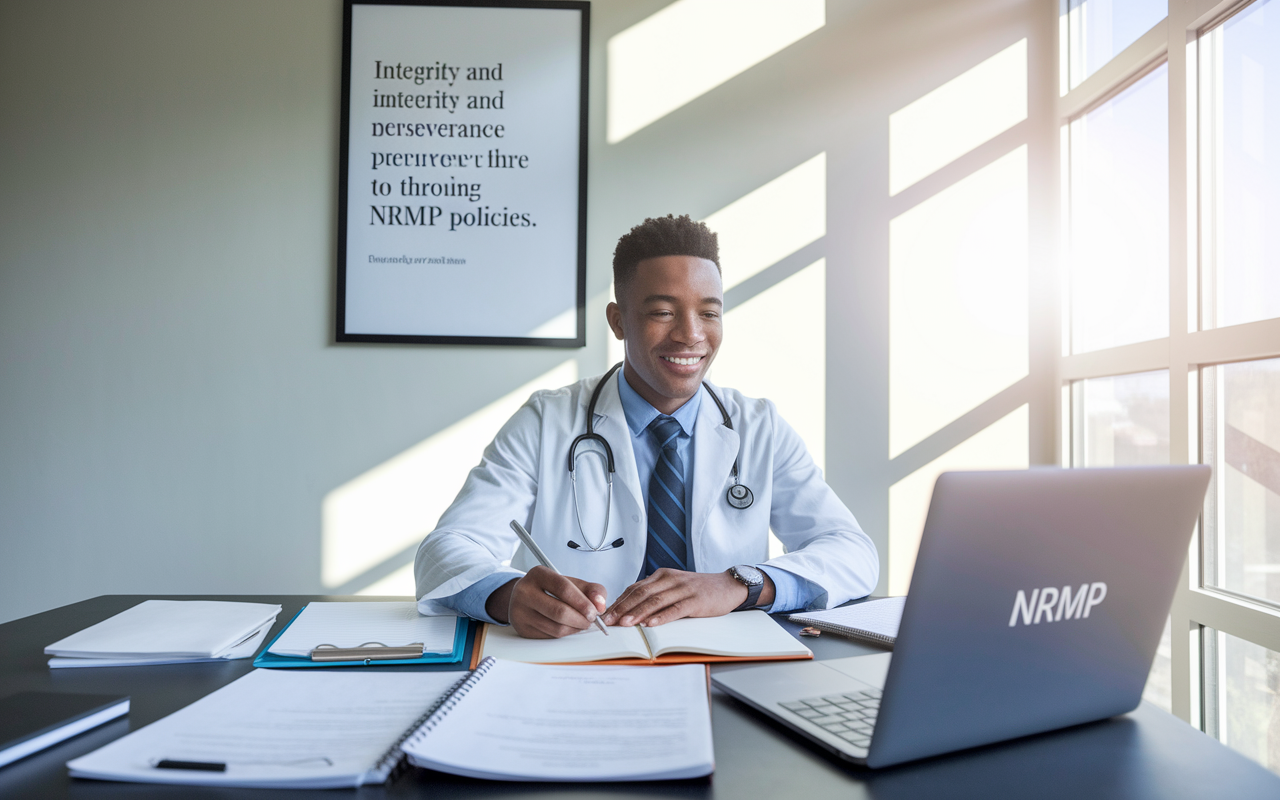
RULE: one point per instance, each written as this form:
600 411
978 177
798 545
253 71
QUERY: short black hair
663 236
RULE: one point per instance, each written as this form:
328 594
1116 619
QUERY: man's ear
613 312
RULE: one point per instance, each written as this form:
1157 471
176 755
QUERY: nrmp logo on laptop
1053 605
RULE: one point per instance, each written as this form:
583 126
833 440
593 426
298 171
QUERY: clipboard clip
369 651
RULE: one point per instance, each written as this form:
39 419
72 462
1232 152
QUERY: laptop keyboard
851 716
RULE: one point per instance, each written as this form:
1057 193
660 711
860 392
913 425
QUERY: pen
543 560
201 766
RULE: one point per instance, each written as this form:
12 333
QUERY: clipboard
463 640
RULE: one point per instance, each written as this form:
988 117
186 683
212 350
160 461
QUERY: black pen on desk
544 561
199 766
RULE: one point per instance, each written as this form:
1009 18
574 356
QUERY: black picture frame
340 333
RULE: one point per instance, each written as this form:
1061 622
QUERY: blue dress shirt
791 592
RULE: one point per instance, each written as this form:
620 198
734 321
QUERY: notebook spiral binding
393 761
855 633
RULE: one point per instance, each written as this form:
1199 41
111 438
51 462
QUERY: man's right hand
544 605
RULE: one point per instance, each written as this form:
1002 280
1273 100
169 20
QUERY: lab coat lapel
715 448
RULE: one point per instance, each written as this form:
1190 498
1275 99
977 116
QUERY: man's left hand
671 594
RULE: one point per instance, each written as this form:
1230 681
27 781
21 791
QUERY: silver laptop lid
1037 602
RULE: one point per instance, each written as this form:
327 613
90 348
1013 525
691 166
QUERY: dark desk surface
1146 754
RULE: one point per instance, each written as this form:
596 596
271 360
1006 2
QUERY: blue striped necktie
668 541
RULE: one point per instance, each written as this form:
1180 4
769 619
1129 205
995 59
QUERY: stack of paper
168 632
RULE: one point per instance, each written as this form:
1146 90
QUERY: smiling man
652 490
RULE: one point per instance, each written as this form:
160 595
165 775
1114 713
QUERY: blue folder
271 661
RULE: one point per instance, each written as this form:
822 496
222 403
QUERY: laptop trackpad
868 669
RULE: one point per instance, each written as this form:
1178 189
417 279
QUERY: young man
700 474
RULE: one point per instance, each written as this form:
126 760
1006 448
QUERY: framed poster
463 172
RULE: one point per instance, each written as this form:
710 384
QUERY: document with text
536 722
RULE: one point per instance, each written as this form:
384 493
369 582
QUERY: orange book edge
670 658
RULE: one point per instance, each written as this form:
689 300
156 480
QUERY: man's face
670 317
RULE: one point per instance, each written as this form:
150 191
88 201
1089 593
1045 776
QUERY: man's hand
671 594
544 605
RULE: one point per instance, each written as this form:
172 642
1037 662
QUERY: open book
741 636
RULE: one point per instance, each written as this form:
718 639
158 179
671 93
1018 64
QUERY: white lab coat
524 476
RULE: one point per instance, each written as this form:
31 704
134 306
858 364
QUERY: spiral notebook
544 722
875 621
282 729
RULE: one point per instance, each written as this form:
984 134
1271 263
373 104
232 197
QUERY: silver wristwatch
751 578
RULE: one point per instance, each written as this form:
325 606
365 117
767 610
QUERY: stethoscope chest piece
739 496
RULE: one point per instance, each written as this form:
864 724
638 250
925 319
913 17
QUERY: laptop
1037 602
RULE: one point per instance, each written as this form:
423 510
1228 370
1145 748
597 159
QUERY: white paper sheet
573 723
244 650
746 634
168 628
394 624
277 728
590 645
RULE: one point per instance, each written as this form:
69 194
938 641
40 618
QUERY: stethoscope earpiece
619 542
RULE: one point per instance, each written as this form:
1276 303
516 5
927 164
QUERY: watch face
748 575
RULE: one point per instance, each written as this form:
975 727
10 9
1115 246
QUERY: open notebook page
277 728
394 624
748 634
590 645
572 723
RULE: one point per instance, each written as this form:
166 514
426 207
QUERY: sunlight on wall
1002 445
958 116
692 46
772 222
378 514
760 358
957 300
759 362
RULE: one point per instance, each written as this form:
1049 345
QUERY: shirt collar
640 413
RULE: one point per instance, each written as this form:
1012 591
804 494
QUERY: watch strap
753 593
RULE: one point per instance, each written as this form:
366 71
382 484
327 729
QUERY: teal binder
270 661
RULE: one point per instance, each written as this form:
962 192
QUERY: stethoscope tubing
739 495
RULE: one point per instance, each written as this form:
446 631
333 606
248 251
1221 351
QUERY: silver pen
544 561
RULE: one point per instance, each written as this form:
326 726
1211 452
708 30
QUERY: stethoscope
738 495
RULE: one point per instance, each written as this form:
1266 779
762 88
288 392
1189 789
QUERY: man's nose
690 330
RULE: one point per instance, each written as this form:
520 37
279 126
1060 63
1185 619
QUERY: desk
1146 754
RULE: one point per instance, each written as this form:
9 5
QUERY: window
1240 157
1243 710
1119 217
1242 443
1097 30
1171 309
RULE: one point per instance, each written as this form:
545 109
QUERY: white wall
172 408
